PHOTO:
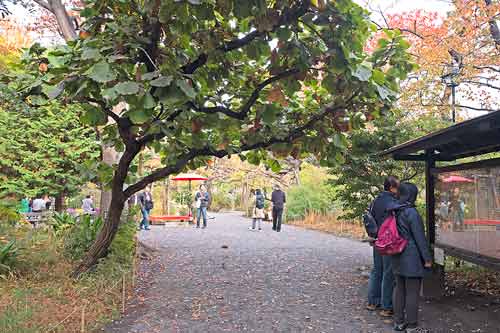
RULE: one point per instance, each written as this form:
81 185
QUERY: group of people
278 199
395 281
37 204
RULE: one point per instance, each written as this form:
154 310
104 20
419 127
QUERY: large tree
202 78
43 150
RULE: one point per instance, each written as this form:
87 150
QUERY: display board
467 209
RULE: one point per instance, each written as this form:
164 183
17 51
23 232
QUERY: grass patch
38 295
331 224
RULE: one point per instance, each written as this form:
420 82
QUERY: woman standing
258 210
410 266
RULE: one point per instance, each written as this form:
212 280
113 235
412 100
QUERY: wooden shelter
462 201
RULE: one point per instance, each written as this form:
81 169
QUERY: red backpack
389 242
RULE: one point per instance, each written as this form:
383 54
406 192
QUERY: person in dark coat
410 266
381 283
278 199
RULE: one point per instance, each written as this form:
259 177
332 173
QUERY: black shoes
400 327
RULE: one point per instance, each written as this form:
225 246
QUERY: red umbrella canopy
189 176
457 179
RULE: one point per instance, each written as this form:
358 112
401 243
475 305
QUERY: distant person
88 205
381 283
202 198
145 200
24 206
38 205
48 202
278 199
457 208
410 266
258 210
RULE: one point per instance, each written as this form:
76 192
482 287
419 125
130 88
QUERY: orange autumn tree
466 42
13 37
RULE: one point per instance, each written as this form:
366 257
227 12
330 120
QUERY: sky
406 5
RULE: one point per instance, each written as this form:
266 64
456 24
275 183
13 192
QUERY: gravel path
228 279
294 281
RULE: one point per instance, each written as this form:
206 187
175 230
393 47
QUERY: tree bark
59 202
100 247
64 22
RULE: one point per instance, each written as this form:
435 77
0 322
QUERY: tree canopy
199 78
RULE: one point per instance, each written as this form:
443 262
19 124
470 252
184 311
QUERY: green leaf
162 81
363 72
101 72
90 53
149 101
127 88
186 88
384 92
37 100
378 77
109 93
138 116
53 91
150 75
274 165
93 116
270 113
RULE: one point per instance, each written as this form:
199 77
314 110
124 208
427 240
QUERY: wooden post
123 293
430 199
167 194
83 317
433 286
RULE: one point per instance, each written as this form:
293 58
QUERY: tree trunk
64 22
59 202
100 247
109 156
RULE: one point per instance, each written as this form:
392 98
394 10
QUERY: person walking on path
88 205
258 210
381 283
145 200
410 266
278 199
202 198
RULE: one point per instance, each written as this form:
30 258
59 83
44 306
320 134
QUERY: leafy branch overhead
197 76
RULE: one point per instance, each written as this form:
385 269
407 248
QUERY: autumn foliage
468 37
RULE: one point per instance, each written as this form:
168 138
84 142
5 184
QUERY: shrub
80 237
314 195
8 213
61 221
8 254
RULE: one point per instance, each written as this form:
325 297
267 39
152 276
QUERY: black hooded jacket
410 263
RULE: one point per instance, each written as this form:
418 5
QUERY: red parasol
457 179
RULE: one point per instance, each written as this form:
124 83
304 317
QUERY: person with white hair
278 199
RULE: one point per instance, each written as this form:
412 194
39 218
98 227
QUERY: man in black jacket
278 199
381 282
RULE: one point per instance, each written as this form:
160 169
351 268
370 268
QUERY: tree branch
243 113
184 159
485 84
104 108
286 18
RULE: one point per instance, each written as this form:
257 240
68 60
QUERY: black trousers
406 299
277 218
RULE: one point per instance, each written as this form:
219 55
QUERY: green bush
80 237
61 221
8 213
8 254
314 195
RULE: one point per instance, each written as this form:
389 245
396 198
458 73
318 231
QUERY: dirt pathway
228 279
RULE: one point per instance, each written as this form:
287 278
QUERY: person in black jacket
381 283
409 267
